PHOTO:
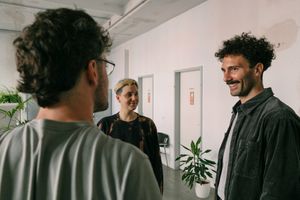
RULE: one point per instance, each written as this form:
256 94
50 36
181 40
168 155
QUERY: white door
146 98
190 109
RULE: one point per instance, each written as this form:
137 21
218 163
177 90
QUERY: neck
64 114
69 109
255 91
127 115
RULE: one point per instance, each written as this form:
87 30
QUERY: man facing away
259 158
61 154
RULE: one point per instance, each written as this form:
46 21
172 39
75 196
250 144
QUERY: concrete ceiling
125 19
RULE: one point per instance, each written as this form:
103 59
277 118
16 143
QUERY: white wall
191 39
8 72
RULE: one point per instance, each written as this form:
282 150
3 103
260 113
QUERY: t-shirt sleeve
141 182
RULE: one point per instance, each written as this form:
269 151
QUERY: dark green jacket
264 160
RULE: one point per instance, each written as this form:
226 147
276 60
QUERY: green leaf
196 167
186 148
198 141
11 96
206 151
193 146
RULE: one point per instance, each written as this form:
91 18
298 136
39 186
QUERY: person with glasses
259 157
61 154
133 128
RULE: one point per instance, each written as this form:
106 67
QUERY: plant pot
202 190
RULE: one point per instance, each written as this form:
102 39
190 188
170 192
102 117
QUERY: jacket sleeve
281 178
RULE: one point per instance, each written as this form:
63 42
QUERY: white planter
202 191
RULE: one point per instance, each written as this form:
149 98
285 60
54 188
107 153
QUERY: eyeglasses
109 66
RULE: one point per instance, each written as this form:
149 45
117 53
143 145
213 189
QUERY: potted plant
196 168
11 104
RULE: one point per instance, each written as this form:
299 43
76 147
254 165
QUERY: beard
243 87
100 106
100 99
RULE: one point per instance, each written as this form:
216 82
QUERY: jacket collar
251 104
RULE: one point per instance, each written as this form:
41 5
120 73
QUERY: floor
175 189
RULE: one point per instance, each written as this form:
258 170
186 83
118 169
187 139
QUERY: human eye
129 94
234 69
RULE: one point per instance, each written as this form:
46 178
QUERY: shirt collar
251 104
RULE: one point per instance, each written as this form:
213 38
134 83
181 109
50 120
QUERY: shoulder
108 119
9 135
147 124
144 119
20 131
278 119
15 141
276 109
120 153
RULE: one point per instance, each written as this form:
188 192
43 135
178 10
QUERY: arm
156 160
104 125
282 162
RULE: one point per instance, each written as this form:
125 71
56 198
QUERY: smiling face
128 98
243 81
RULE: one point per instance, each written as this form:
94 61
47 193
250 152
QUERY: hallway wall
191 39
8 72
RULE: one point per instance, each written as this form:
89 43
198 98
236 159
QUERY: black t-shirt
141 133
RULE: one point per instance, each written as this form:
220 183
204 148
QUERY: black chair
163 140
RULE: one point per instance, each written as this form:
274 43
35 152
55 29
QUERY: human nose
135 97
226 76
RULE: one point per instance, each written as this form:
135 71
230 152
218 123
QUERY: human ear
259 68
118 97
92 73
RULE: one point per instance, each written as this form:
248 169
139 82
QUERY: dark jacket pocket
248 159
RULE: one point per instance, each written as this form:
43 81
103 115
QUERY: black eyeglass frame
109 62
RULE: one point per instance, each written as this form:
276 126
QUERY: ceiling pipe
9 30
114 22
22 5
42 8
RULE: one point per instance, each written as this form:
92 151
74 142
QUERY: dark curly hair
53 51
253 49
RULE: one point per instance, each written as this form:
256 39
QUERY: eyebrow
129 92
230 67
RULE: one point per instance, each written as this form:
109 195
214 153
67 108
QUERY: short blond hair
124 82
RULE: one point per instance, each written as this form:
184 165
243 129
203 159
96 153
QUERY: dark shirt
264 159
140 132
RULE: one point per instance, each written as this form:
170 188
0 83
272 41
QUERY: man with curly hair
61 58
260 155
